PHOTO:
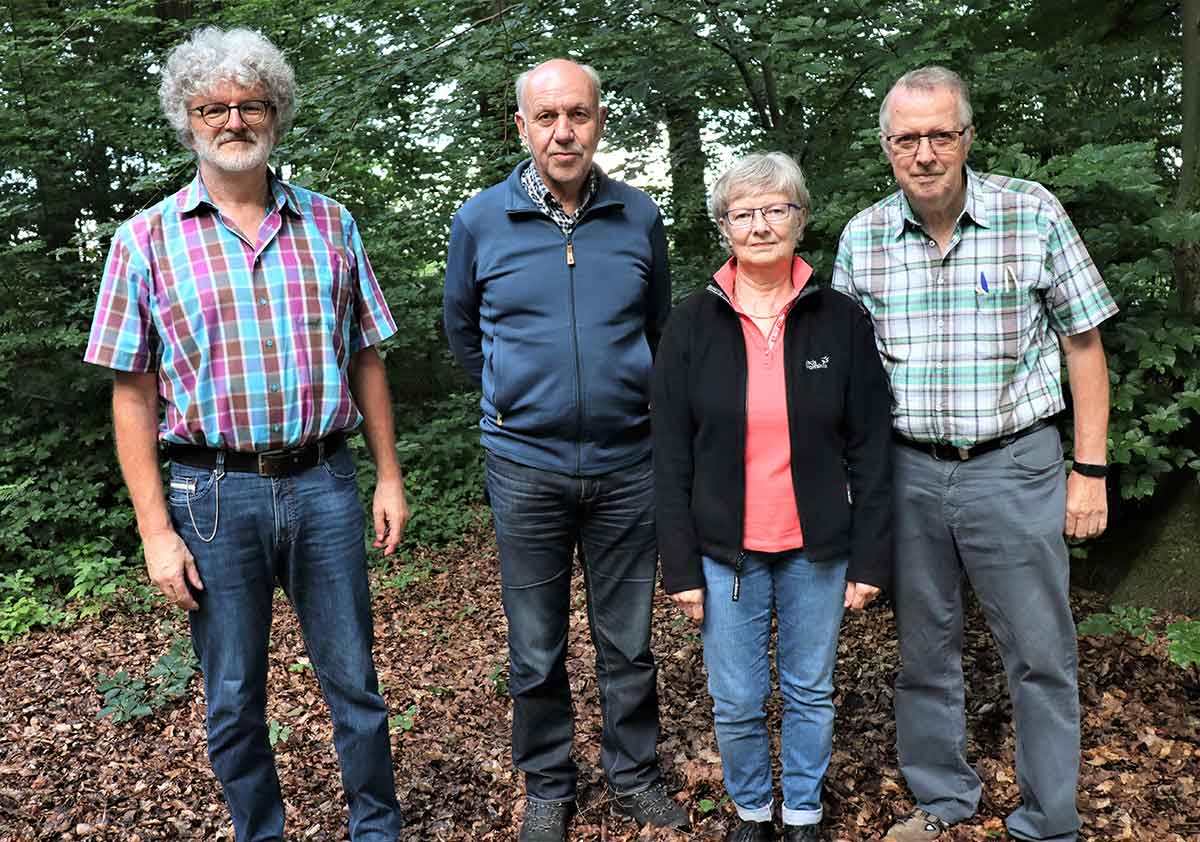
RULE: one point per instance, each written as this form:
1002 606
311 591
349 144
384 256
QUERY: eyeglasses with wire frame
216 114
943 141
744 217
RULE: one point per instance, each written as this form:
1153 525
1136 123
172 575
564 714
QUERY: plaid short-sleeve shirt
970 339
251 341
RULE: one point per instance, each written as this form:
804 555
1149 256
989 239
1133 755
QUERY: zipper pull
570 254
737 577
499 419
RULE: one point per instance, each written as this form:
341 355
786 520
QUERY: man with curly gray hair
248 307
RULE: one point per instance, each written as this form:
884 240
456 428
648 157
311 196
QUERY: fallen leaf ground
65 775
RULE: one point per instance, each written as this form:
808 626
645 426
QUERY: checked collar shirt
251 341
970 339
532 181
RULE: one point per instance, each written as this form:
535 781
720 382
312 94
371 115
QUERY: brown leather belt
265 463
950 453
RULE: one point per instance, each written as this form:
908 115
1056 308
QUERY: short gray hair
213 55
929 78
759 172
523 79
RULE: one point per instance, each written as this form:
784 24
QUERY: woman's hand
859 595
691 603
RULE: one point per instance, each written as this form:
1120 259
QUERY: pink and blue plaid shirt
251 342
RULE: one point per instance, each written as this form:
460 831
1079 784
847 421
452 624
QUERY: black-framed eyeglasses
943 141
743 217
216 114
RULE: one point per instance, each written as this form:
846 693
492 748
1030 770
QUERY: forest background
406 111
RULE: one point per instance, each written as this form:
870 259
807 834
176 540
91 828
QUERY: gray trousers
998 518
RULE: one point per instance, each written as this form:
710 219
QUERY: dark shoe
802 833
653 805
751 832
546 821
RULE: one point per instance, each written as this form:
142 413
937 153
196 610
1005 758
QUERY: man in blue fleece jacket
557 290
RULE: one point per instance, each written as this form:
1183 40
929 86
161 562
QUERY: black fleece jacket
839 422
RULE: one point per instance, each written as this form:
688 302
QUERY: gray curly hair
213 55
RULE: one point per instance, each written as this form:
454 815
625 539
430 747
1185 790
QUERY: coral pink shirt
770 523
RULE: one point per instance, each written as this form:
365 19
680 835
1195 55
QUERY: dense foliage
406 110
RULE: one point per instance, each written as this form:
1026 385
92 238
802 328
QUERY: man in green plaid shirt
978 285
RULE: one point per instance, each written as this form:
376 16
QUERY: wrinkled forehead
564 87
923 108
228 90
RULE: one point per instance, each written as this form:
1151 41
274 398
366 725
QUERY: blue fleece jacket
559 332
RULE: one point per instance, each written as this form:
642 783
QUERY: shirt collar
539 192
189 199
974 206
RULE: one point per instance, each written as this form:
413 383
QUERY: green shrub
1183 636
127 697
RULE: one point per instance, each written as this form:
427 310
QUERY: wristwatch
1087 470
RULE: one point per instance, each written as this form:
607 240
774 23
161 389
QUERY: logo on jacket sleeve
813 365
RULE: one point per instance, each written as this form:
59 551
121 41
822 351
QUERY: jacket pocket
497 400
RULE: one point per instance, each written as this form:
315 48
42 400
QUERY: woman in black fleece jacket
772 439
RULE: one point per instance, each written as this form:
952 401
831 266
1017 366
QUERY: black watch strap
1087 470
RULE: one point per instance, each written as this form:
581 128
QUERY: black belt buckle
274 463
271 463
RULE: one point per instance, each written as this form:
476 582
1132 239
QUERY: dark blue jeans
541 517
306 532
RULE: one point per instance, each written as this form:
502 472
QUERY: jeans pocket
1037 452
341 465
190 485
190 493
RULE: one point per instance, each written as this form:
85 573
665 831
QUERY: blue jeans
807 600
540 518
306 532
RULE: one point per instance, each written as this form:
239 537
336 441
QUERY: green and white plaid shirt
970 340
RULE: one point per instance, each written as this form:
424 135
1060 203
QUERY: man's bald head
555 66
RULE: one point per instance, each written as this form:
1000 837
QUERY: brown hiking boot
917 826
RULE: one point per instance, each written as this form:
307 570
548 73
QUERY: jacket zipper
575 351
741 556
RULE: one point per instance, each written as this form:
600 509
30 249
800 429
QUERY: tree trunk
1187 256
691 230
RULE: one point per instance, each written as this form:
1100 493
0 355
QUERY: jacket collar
723 279
517 200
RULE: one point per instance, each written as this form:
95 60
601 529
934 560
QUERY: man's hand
859 595
390 512
691 603
1087 506
168 561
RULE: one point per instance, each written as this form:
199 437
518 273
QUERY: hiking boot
802 833
917 826
546 821
751 832
652 805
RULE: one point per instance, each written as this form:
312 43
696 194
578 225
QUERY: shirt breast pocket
1005 296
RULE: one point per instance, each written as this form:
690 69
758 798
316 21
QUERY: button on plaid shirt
251 342
970 340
